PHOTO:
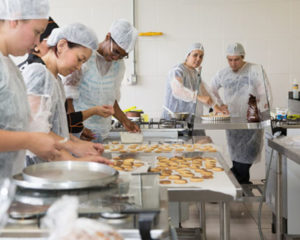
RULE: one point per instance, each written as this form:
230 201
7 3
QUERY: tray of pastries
158 148
188 171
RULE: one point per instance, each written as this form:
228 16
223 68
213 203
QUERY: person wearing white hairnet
239 80
75 119
70 47
17 37
99 81
185 89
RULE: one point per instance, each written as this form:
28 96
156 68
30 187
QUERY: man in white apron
239 80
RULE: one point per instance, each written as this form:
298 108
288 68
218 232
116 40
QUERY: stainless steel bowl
182 116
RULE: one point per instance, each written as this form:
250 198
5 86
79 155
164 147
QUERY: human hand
224 109
131 126
93 158
44 146
104 111
205 99
84 148
87 135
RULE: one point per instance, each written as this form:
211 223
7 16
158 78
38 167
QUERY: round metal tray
66 175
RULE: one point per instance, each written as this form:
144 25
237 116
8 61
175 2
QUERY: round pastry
180 181
115 142
218 169
208 176
187 174
154 170
165 182
138 164
118 168
196 179
174 177
163 177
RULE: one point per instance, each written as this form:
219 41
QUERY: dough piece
196 179
180 181
218 169
165 182
174 177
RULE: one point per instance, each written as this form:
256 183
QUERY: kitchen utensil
182 116
66 175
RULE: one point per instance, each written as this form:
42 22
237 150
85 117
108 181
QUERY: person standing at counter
99 81
239 80
70 47
21 23
75 119
185 89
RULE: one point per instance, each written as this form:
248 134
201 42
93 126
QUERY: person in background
21 23
238 80
99 81
70 47
185 89
75 119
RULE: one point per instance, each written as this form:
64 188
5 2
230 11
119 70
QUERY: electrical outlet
132 80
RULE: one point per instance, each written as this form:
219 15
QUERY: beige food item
196 179
163 177
106 147
218 169
208 176
161 158
179 149
165 182
118 168
154 170
174 177
114 142
180 181
138 164
187 174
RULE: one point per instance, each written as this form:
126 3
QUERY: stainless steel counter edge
290 152
233 123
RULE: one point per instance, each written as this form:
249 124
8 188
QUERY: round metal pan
66 175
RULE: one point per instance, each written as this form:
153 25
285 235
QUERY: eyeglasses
116 52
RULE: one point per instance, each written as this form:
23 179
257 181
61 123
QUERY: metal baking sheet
66 175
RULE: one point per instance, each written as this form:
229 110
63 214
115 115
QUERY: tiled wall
268 29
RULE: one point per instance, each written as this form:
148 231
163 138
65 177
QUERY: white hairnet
124 34
75 33
235 49
195 46
24 9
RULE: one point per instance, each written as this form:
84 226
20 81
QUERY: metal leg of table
278 200
224 221
202 220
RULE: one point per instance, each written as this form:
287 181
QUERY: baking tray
66 175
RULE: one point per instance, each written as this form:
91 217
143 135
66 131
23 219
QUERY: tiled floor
243 222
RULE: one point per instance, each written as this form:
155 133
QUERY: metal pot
182 116
133 114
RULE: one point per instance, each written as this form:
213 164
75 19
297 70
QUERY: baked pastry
180 181
165 182
196 179
174 177
218 169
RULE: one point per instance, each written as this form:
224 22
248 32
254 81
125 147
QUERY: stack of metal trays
64 175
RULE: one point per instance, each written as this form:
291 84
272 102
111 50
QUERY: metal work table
232 123
293 154
193 194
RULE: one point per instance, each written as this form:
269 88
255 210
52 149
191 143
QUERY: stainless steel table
232 123
180 194
293 154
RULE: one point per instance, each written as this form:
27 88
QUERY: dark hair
50 26
73 45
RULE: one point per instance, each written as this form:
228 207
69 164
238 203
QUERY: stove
156 124
128 205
